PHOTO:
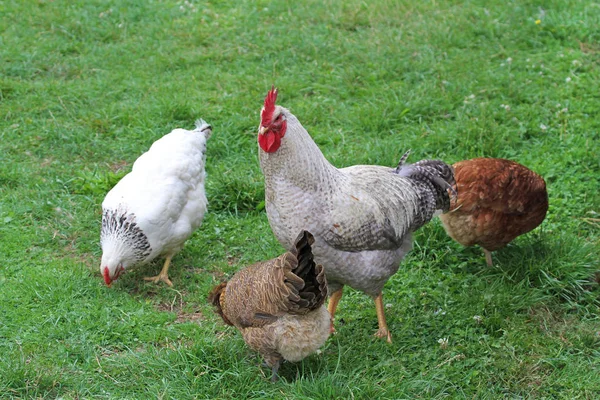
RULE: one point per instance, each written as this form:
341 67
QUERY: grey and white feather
362 217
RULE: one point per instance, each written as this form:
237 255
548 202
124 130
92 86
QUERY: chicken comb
269 108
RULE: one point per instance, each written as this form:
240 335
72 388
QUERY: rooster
278 305
155 208
497 201
362 216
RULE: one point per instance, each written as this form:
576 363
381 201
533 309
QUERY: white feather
165 192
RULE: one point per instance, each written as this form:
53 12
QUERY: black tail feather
435 175
315 285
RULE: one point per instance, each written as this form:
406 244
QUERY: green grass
87 86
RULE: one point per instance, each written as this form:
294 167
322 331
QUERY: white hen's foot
164 274
160 277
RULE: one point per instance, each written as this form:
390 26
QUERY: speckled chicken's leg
274 376
488 257
334 300
273 361
163 275
383 331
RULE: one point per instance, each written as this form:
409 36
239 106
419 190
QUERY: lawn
87 86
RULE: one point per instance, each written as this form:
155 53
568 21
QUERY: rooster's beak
262 130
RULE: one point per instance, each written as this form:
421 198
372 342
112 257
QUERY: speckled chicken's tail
435 175
314 292
216 298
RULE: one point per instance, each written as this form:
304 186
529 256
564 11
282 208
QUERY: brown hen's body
497 201
278 305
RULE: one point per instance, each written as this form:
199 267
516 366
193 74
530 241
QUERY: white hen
155 208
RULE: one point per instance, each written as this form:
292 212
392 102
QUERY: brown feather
258 296
497 201
217 297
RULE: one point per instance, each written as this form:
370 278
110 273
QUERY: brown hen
497 201
277 305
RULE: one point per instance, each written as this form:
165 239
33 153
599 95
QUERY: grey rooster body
362 217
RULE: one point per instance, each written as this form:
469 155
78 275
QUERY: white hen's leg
163 275
383 331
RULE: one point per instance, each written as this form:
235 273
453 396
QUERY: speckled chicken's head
273 124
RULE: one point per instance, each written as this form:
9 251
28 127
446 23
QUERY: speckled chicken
362 216
497 201
278 305
155 208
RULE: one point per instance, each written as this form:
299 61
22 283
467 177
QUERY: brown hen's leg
334 300
163 275
383 331
488 257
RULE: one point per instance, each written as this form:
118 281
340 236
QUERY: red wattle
106 275
269 142
271 139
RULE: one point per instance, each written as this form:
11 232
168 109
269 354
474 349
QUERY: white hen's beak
262 130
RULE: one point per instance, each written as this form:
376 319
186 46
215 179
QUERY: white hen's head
111 267
123 242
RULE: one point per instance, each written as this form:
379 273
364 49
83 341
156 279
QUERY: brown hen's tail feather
314 291
434 176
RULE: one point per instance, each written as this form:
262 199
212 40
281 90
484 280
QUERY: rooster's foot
384 333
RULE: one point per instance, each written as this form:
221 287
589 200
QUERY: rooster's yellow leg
334 300
383 331
163 275
488 257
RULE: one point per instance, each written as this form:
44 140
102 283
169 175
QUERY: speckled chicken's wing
259 294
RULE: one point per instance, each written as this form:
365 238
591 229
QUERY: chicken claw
163 275
384 333
158 278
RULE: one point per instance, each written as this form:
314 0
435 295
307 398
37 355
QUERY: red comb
269 108
107 276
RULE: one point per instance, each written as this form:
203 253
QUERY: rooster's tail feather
435 175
